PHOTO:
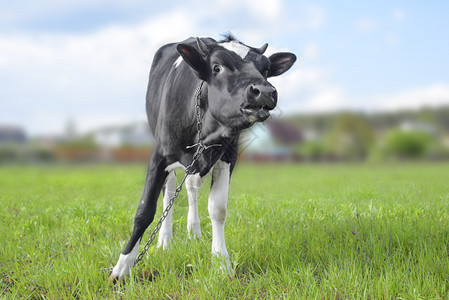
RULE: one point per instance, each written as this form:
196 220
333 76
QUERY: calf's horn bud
262 49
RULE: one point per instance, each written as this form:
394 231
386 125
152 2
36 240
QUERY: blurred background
371 82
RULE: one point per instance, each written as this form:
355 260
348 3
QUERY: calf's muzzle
262 95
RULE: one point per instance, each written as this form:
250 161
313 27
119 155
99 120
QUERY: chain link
199 150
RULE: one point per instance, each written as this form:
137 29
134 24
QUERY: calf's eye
216 69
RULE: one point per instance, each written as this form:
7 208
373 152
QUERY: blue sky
88 61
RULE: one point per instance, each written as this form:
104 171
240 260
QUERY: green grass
293 231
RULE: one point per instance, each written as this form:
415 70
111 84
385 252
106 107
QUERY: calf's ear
194 59
280 63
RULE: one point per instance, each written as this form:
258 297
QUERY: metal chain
199 115
199 150
159 223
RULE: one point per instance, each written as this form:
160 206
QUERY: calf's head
238 92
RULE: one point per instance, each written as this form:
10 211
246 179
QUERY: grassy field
293 231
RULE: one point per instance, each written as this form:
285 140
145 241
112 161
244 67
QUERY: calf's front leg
166 233
218 199
193 185
156 175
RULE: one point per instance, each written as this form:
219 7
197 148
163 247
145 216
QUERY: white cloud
263 10
308 90
293 20
99 77
313 91
327 97
310 52
324 100
99 73
110 51
392 39
314 17
430 96
297 79
399 15
367 24
104 71
268 10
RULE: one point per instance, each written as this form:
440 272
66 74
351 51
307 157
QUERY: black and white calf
235 95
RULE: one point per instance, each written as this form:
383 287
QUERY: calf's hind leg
156 175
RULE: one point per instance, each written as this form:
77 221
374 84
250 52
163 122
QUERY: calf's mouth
255 113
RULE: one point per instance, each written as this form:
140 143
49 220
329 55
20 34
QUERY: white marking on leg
166 232
174 166
218 199
193 185
177 62
125 263
239 49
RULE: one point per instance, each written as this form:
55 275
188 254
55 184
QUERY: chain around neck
199 113
199 127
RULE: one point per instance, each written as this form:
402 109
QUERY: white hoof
164 240
194 230
225 263
124 264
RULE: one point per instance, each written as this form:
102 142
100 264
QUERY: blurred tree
408 144
427 115
351 137
85 142
312 150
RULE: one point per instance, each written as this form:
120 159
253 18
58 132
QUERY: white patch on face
125 263
177 62
174 166
239 49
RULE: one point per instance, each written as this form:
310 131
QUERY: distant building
311 135
12 134
418 126
134 135
284 133
272 141
130 143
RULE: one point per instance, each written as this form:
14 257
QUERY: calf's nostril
255 91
